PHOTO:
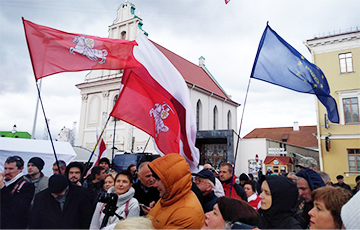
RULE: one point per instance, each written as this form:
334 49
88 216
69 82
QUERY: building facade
213 108
339 144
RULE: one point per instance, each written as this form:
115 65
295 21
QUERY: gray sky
226 35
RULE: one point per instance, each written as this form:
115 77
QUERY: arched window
215 118
229 120
114 101
123 35
198 114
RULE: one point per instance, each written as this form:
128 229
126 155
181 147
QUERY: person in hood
307 181
278 201
178 206
127 205
228 182
74 171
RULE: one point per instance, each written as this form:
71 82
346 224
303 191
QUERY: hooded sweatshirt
280 215
181 208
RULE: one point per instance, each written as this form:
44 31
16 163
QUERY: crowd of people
164 194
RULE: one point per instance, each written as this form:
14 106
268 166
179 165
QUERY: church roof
192 73
303 137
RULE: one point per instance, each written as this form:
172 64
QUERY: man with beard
228 183
16 195
74 171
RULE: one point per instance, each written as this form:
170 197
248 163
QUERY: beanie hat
104 159
38 162
312 177
243 176
350 213
58 183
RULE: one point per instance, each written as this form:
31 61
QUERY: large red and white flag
54 51
155 98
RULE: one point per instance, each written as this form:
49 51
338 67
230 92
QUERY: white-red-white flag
100 151
156 99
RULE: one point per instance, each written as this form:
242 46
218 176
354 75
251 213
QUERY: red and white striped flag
100 151
227 1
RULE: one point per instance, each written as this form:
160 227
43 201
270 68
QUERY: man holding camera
62 205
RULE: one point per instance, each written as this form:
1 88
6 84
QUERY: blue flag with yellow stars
279 63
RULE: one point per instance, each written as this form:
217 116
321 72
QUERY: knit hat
350 213
244 177
104 159
38 162
58 183
312 177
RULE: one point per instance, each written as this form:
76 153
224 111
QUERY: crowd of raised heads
164 194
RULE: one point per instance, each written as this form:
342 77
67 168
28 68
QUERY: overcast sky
226 35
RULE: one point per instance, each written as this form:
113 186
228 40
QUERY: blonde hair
135 223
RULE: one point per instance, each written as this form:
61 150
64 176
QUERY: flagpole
113 148
35 117
238 139
87 164
47 126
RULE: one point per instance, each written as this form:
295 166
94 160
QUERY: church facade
216 113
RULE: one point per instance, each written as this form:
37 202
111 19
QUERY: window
198 114
351 110
123 35
346 63
354 160
215 117
229 120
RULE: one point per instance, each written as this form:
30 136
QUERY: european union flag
279 63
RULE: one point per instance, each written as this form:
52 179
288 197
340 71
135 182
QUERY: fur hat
38 162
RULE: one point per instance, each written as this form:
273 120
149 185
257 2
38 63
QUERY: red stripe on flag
143 106
180 110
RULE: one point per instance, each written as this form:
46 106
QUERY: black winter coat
280 215
76 214
15 204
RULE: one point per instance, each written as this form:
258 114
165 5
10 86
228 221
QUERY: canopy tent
28 148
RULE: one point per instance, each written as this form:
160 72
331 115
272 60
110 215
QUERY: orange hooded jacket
181 208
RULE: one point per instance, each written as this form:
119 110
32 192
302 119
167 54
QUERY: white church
216 113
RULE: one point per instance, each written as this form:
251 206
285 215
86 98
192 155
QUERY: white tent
28 148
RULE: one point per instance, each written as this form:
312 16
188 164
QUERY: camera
110 199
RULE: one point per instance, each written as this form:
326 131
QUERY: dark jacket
236 190
15 204
145 196
76 214
315 181
209 202
94 191
280 215
343 185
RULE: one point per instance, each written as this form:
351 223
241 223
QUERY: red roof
192 73
282 160
304 137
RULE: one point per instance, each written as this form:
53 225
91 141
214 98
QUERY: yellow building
339 144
